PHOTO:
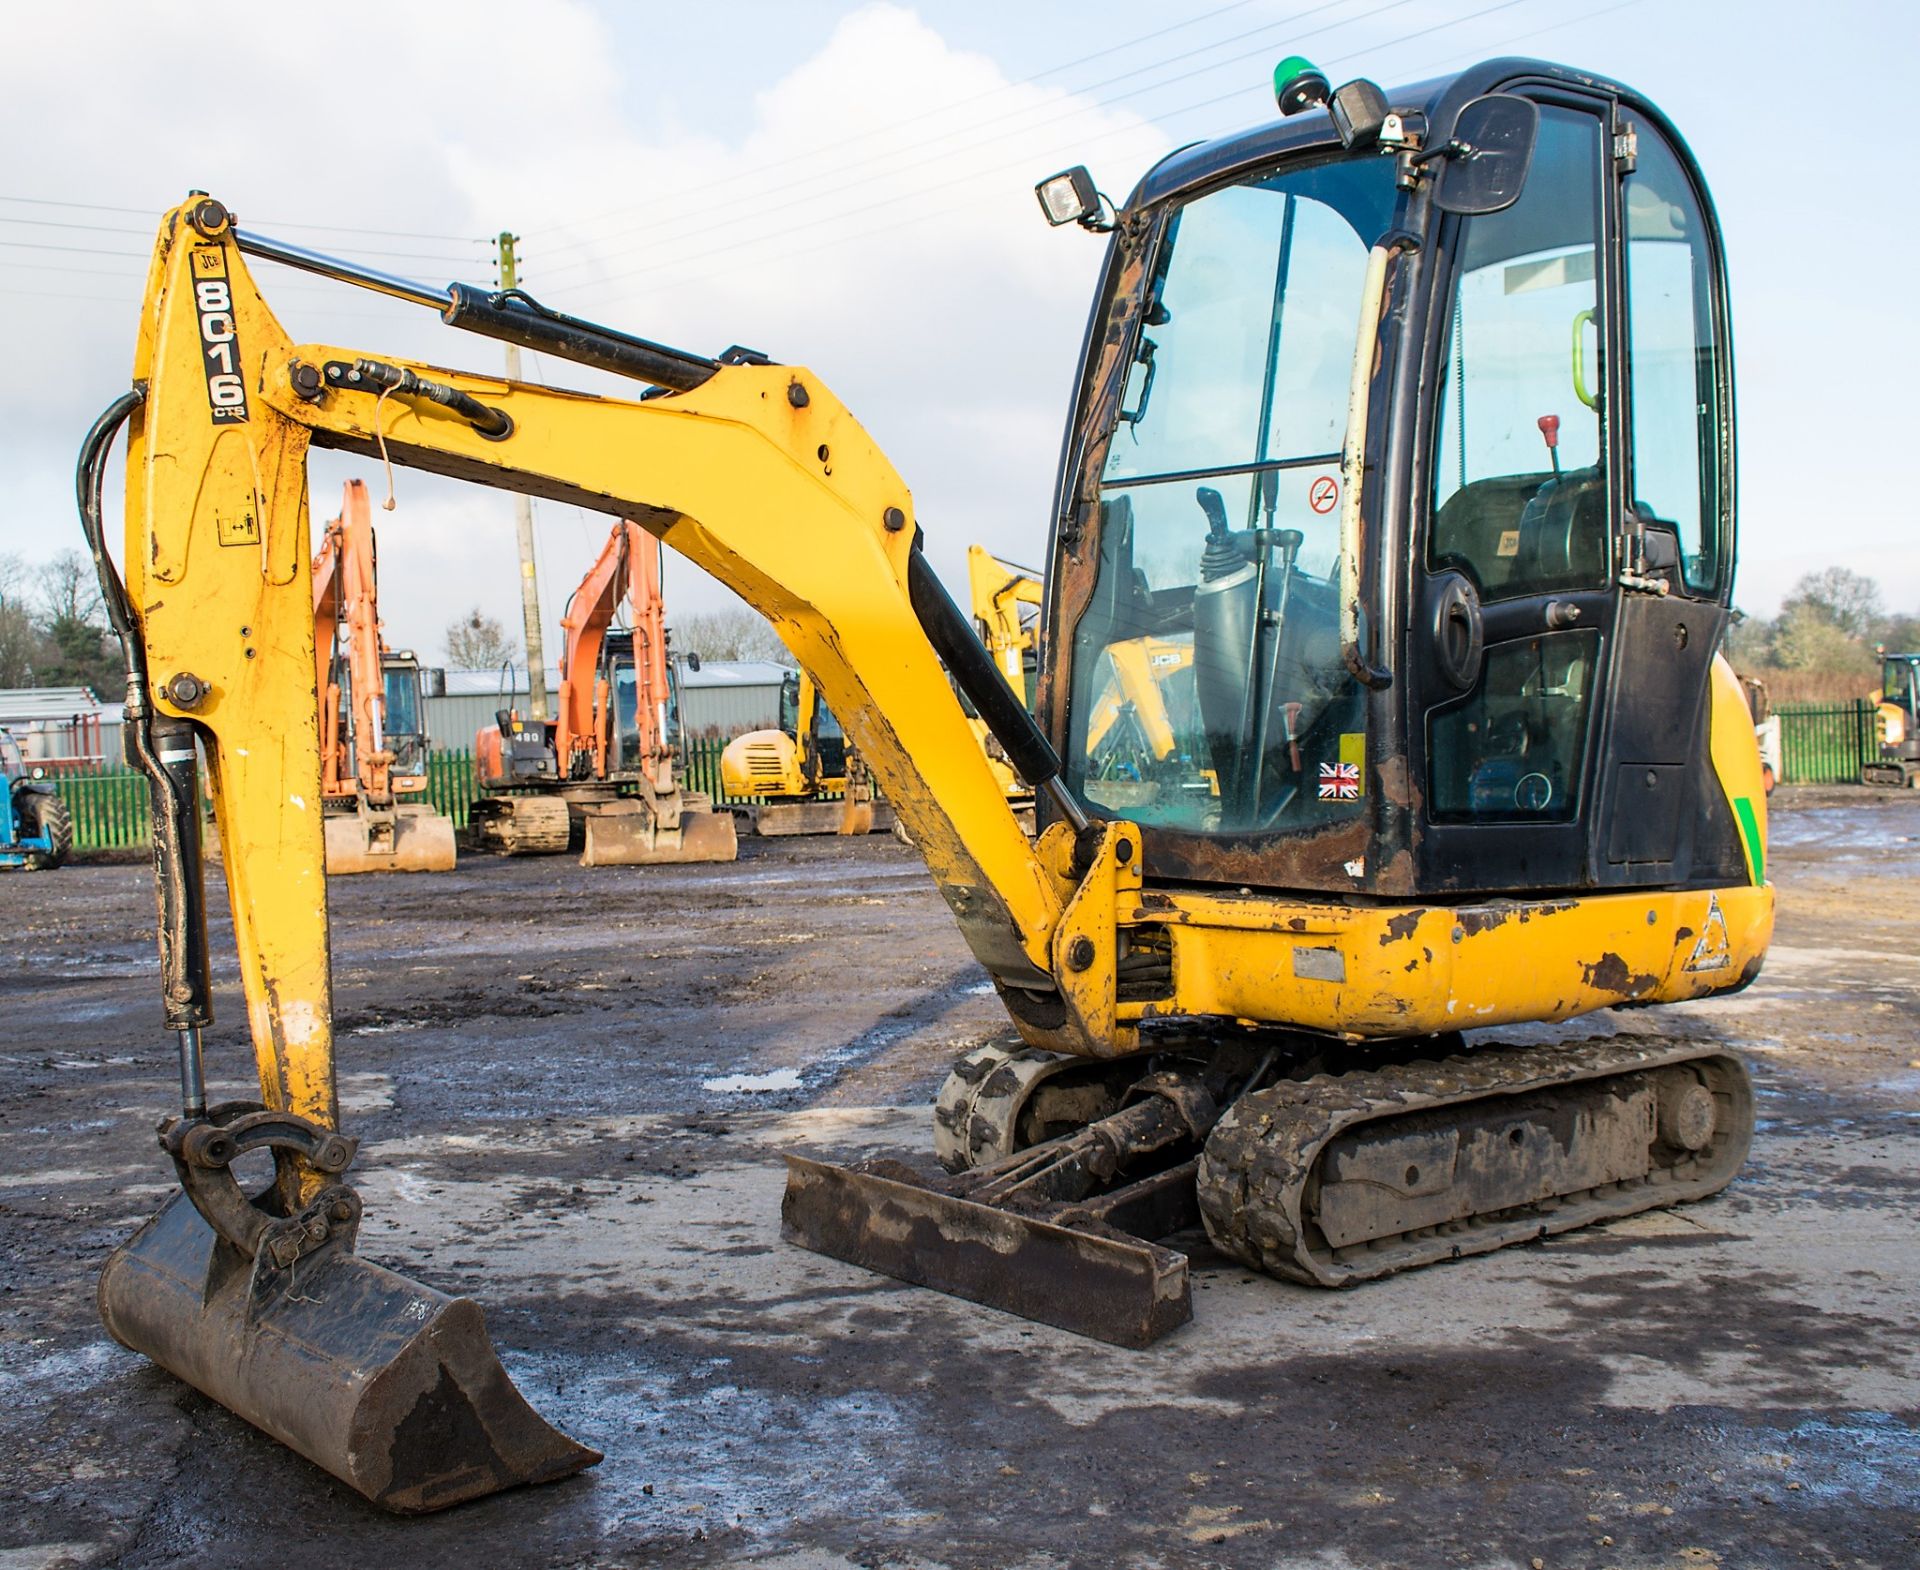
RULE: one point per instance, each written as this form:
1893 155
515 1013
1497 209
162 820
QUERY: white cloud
918 280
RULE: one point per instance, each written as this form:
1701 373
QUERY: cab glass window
1673 359
1519 460
1513 750
1208 691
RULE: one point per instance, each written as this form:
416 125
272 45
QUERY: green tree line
1825 641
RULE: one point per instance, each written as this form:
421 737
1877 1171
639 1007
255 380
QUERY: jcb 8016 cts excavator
1462 753
373 736
808 779
607 767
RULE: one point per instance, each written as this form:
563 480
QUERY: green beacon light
1298 86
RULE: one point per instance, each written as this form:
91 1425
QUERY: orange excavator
603 774
373 739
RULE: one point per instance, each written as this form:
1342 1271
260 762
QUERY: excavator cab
1897 723
794 766
406 732
1493 668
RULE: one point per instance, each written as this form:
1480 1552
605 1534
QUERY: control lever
1550 429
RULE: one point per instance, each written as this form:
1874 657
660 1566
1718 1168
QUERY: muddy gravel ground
573 1087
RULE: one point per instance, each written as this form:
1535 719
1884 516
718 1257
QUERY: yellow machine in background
373 736
810 779
1460 756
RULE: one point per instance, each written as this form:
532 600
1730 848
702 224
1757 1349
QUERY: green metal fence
1826 743
109 808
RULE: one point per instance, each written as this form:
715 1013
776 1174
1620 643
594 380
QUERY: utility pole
523 516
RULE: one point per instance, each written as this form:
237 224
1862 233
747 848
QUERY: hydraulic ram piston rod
509 315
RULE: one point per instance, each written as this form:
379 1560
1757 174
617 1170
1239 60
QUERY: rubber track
1255 1171
522 826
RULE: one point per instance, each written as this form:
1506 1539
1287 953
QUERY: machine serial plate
219 342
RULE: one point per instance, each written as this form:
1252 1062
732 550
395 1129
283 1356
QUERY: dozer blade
625 834
1095 1282
819 817
415 839
391 1386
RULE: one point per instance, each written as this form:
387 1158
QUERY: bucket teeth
389 1385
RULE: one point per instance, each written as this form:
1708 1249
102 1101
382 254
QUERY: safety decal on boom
219 343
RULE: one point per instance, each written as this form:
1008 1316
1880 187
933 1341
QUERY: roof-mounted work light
1071 197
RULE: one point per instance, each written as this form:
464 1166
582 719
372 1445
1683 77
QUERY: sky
847 185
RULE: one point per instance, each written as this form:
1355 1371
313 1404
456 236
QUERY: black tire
49 815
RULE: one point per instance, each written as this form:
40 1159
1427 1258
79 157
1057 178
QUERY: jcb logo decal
219 345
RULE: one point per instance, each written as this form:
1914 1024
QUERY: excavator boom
609 765
366 828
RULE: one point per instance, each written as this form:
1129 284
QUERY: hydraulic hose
164 750
960 650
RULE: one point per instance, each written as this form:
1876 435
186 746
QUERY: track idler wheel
391 1386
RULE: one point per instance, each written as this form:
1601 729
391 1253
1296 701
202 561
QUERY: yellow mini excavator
806 776
1357 424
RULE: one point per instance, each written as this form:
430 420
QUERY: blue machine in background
36 829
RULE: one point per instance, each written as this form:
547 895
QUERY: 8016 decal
219 343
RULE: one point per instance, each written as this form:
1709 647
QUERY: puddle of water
747 1084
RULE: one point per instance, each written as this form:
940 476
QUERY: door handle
1459 632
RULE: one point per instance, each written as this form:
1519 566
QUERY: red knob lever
1550 428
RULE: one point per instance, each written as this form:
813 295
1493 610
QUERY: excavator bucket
391 1386
409 839
1082 1270
624 833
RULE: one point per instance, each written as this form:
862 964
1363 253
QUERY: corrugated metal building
726 698
62 727
721 699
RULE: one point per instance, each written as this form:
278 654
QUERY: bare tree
477 642
20 639
736 633
1839 597
69 591
78 650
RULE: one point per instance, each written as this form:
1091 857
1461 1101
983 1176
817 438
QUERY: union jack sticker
1339 782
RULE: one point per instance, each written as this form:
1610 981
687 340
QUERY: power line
1013 135
153 213
948 208
758 212
946 108
786 234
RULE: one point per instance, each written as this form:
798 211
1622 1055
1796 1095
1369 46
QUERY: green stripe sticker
1750 834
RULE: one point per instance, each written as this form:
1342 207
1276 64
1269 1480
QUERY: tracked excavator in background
1896 721
1462 754
604 776
373 735
808 778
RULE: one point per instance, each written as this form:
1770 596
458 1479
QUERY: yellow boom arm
761 477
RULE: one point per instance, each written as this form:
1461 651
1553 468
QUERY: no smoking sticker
1323 493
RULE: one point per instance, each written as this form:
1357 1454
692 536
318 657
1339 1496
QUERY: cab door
1515 596
1577 564
1664 818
